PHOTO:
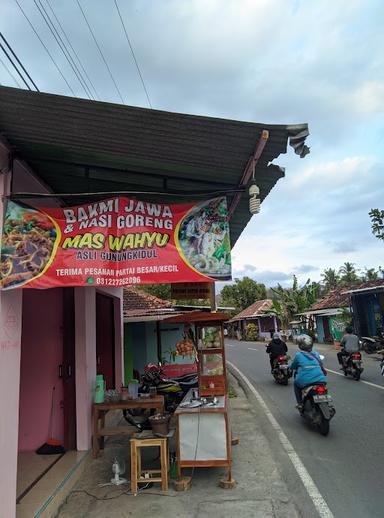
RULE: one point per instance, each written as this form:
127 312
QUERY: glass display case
212 376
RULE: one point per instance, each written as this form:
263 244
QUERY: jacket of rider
307 369
277 347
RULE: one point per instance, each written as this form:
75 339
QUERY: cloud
343 248
305 268
273 61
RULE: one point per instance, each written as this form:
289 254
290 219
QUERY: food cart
203 437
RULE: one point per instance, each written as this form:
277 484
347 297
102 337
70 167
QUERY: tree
370 274
287 302
348 274
330 279
242 294
377 223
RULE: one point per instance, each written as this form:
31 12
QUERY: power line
99 49
45 47
14 66
73 50
133 54
10 73
62 46
18 60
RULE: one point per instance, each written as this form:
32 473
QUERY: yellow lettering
162 239
71 242
87 240
115 243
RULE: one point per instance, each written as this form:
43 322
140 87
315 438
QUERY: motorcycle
173 390
373 344
352 365
317 407
381 361
281 372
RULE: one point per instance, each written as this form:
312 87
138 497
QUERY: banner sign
114 243
191 290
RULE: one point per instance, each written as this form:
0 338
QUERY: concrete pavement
260 492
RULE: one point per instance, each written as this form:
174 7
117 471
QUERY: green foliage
252 332
242 294
370 274
345 317
287 302
348 274
377 223
330 279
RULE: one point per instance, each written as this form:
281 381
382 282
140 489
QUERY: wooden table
100 410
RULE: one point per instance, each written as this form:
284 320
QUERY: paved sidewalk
260 491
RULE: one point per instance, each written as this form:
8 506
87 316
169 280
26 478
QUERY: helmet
276 336
304 342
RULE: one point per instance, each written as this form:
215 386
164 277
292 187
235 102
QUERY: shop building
56 151
326 316
367 302
259 314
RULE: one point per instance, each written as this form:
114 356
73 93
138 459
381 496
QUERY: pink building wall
85 333
10 339
41 355
10 353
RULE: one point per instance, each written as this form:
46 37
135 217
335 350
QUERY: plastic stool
137 474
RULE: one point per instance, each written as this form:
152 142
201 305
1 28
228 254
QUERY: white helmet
304 342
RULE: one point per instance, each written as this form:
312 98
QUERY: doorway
105 339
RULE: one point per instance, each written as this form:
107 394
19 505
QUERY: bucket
133 389
160 423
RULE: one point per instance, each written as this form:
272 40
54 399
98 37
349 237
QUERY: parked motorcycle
373 344
173 389
353 365
381 361
281 372
317 407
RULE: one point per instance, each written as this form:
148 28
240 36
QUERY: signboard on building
114 243
191 290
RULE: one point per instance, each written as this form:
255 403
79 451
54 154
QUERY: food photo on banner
115 242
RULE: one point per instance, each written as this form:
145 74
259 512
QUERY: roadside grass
231 391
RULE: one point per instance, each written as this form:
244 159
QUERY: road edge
313 492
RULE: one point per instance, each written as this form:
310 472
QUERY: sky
272 61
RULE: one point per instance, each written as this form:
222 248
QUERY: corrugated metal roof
76 145
366 286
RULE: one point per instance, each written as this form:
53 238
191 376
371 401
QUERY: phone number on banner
121 281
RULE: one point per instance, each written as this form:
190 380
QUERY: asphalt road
348 465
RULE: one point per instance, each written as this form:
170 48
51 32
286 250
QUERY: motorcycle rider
349 344
308 367
276 348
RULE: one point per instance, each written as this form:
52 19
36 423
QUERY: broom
52 446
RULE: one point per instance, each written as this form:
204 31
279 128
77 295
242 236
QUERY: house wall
10 347
10 352
320 330
170 335
141 344
41 355
85 336
267 323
